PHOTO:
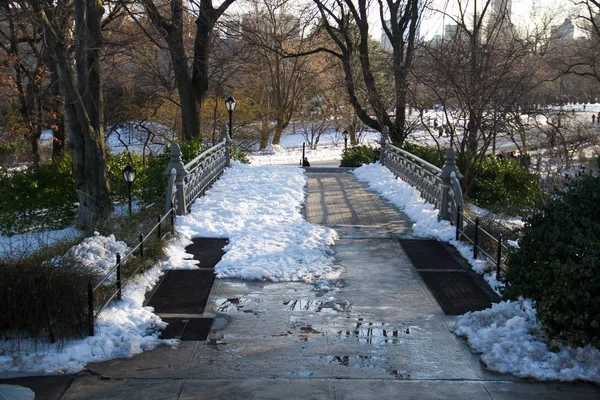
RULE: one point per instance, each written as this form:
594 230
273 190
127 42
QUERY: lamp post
129 176
230 104
345 133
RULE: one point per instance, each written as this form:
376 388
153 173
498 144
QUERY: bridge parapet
188 182
438 186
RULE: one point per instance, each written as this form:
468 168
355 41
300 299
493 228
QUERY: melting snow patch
510 340
259 210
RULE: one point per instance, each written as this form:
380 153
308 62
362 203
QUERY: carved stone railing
188 182
440 187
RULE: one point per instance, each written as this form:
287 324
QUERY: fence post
476 241
225 137
141 245
499 259
119 293
90 290
172 216
177 164
458 224
159 230
384 139
447 170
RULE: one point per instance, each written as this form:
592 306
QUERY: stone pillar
177 164
225 137
449 168
384 140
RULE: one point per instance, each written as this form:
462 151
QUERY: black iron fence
484 243
112 291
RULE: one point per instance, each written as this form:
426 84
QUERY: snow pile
259 210
510 340
123 329
98 253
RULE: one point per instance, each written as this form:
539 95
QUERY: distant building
563 32
502 8
450 31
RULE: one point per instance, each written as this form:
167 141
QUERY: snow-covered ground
259 210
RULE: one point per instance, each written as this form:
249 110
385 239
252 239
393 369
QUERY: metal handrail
476 241
92 311
417 172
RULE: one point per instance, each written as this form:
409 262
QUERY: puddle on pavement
331 306
303 305
234 304
374 333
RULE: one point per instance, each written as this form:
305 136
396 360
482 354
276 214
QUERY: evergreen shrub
39 197
356 156
432 155
504 186
557 263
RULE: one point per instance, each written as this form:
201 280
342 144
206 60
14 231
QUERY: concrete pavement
377 333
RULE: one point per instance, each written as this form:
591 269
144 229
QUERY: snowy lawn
508 335
259 210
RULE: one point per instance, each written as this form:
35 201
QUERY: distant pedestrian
435 124
440 131
598 118
305 162
593 118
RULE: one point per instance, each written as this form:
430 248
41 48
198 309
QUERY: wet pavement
376 333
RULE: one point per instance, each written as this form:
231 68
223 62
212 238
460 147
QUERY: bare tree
481 76
347 23
192 86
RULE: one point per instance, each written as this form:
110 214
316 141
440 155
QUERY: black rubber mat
187 329
428 254
456 292
208 251
183 292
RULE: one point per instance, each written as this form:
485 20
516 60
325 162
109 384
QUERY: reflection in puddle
235 304
333 305
374 333
303 305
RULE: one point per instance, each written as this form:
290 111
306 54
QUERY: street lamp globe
129 174
230 104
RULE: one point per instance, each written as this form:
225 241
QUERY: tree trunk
84 126
264 134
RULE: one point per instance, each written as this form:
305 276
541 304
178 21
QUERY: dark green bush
430 154
115 165
38 197
557 263
238 155
356 156
504 186
42 302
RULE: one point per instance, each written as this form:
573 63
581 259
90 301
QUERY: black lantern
129 176
230 104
